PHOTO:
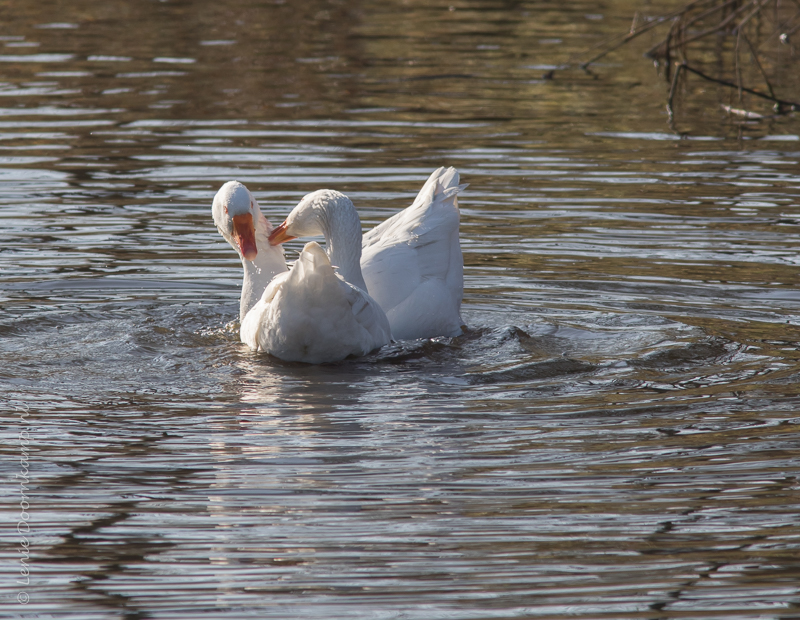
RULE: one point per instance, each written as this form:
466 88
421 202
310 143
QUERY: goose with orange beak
307 314
241 223
411 264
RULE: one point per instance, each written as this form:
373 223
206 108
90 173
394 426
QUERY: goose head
236 215
324 212
331 214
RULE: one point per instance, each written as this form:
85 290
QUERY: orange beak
279 235
244 233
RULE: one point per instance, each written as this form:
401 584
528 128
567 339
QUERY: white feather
307 314
412 263
312 315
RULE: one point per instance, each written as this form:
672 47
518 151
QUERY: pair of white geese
402 280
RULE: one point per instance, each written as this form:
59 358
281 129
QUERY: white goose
411 264
308 314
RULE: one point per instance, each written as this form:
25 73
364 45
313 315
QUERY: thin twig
790 104
777 31
719 26
633 35
633 23
792 31
653 51
673 88
708 12
675 28
755 12
758 64
738 66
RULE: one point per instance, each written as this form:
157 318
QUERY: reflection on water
614 437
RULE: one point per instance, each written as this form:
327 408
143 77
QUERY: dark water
616 436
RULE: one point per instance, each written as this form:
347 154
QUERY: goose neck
257 276
343 237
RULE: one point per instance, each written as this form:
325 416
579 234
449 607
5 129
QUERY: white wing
412 262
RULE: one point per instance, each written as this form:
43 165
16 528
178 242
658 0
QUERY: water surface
614 437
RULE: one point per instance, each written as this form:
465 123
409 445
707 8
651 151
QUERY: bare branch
672 89
713 23
758 64
793 105
641 31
